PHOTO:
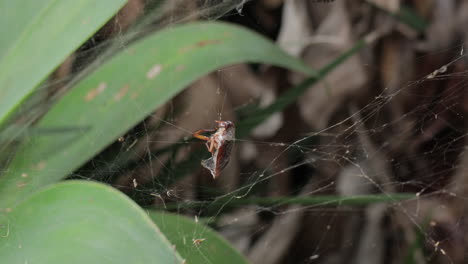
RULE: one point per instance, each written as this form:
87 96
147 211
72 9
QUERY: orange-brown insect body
220 145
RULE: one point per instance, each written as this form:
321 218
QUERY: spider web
403 134
349 156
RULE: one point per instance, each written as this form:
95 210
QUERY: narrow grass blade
291 95
405 15
411 18
316 200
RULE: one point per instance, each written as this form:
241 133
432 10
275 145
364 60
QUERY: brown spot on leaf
40 166
199 44
208 42
94 92
121 93
20 184
180 68
154 71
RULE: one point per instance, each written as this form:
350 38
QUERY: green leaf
184 233
290 96
316 200
37 36
408 16
416 247
125 90
81 222
405 15
257 115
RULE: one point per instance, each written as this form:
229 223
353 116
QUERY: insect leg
202 137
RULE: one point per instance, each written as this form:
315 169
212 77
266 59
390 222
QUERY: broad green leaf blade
126 89
184 233
37 36
81 222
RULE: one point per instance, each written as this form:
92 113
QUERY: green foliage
259 115
82 222
405 15
184 233
253 115
316 200
117 96
37 36
78 222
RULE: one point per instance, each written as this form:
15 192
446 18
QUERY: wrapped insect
219 144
